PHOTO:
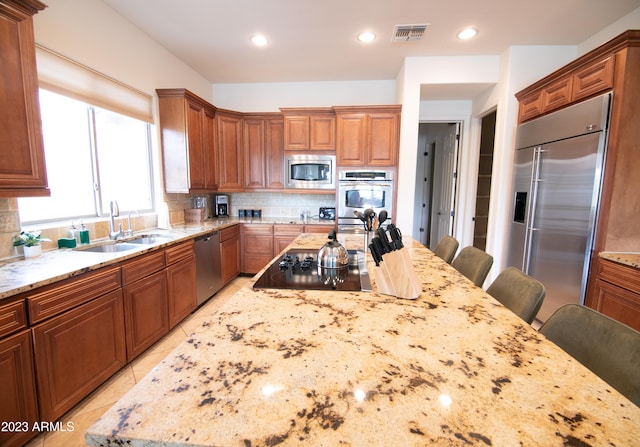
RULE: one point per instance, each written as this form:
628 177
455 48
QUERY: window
93 156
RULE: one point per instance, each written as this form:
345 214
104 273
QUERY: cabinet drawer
593 79
143 266
64 295
179 251
229 233
13 317
620 275
530 106
557 95
288 230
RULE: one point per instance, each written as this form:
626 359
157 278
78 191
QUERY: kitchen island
323 368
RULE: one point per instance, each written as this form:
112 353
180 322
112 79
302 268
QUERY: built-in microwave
310 171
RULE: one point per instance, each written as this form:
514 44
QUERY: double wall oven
359 189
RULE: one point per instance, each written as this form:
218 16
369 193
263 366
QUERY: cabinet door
210 150
274 153
230 255
195 142
382 147
617 303
322 133
351 139
257 247
229 128
283 235
22 166
254 153
77 351
296 133
18 403
146 312
181 285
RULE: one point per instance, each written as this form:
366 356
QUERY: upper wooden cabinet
230 160
263 151
309 129
22 165
367 135
567 86
188 131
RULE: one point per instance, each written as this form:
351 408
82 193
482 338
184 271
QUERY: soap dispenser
73 233
84 234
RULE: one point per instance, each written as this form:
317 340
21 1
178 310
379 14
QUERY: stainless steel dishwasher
208 266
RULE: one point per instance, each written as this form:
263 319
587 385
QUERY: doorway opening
483 191
436 181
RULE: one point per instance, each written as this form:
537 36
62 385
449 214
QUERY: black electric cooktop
298 269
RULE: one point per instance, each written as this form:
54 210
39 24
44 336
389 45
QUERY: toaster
326 213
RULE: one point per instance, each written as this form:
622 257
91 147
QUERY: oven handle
365 183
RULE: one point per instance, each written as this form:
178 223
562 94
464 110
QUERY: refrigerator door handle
531 212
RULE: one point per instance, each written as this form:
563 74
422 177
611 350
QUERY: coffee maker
222 205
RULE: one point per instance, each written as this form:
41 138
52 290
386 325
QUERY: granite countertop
326 368
21 275
626 258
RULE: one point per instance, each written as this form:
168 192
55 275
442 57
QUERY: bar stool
519 292
607 347
446 248
474 264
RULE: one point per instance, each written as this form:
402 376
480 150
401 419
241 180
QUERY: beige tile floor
91 408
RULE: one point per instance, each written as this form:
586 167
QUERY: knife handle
396 236
375 253
384 240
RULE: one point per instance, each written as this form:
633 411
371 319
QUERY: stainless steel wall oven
359 189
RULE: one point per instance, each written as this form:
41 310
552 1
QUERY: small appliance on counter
222 205
327 213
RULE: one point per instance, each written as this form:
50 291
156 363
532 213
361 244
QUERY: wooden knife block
395 276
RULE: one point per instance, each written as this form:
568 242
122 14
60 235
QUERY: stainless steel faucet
130 229
114 211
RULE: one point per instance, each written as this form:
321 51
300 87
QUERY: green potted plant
31 242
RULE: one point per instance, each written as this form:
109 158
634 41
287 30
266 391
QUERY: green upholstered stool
474 264
607 347
446 248
519 292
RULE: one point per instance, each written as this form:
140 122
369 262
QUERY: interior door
444 186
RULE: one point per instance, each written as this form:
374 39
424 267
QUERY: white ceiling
316 40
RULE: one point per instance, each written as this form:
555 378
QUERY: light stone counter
317 368
629 259
22 275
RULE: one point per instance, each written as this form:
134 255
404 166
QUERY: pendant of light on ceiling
259 40
366 37
467 33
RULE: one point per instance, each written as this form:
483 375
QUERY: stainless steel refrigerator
557 177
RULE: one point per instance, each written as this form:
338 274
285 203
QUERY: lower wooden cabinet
181 285
616 292
283 235
146 312
257 246
18 404
77 351
230 252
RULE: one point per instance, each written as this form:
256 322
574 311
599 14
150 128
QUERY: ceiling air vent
408 33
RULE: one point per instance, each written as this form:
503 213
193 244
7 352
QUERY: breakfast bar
335 368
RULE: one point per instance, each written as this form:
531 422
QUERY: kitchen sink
111 248
147 239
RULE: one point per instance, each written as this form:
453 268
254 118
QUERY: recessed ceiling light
467 33
366 36
259 40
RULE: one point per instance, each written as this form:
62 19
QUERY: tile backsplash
171 212
280 205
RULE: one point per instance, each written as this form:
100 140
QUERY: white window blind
65 76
